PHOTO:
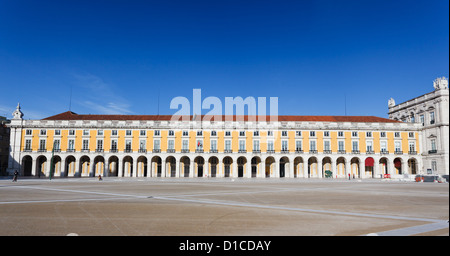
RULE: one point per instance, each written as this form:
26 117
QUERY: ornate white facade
431 110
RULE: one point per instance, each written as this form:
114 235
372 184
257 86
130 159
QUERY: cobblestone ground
209 207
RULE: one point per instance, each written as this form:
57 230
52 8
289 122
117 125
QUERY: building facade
431 111
72 145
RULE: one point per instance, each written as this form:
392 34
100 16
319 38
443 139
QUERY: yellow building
69 145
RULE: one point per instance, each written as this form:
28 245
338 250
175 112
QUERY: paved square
209 207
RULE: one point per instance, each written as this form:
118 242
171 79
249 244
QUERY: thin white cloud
100 96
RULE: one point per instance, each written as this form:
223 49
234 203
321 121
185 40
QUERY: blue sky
117 56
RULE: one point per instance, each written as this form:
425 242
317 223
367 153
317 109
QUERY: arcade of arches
248 166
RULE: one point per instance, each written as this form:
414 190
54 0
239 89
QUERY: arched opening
127 167
227 164
242 162
298 167
369 165
213 162
383 166
270 166
354 168
284 166
412 166
84 167
156 166
256 162
55 168
326 167
41 166
142 166
99 166
27 165
171 169
313 167
199 163
340 167
113 166
185 164
70 168
398 165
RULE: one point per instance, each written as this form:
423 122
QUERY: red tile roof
359 119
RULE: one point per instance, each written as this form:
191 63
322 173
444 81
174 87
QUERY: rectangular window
228 145
369 134
369 146
411 134
396 134
185 133
434 166
85 144
114 144
128 132
213 133
99 144
340 134
241 144
142 132
157 144
432 118
171 144
42 144
256 133
86 132
326 145
29 132
433 144
383 146
312 134
269 133
412 146
56 144
142 144
128 145
341 146
185 144
199 133
57 132
312 145
227 133
99 132
298 133
422 119
114 132
383 134
43 132
354 134
199 144
242 134
326 134
284 145
157 133
214 144
298 145
71 144
355 146
270 145
27 144
256 145
284 133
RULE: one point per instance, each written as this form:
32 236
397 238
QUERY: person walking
16 174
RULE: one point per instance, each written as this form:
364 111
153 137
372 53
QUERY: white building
432 111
